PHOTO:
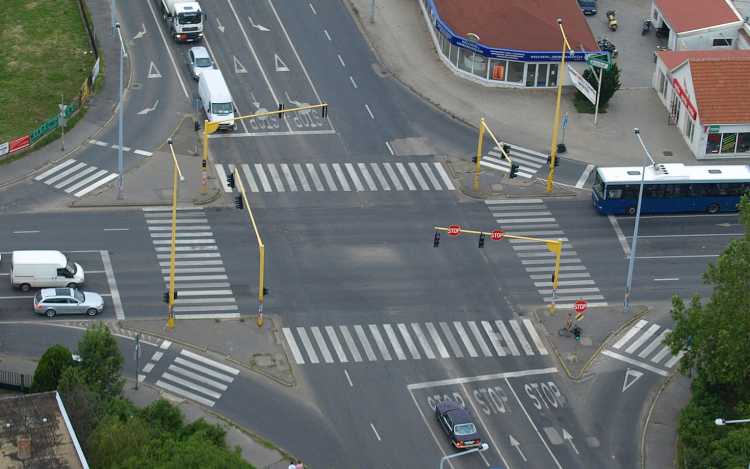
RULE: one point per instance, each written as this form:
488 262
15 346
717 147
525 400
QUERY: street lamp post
722 422
560 76
637 222
123 54
174 234
484 447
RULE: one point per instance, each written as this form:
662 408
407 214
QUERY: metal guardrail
15 381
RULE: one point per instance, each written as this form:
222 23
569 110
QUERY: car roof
48 292
200 51
458 414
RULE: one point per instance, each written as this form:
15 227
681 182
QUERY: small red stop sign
580 306
497 235
454 230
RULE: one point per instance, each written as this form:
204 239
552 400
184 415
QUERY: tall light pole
174 235
637 222
560 76
123 54
722 422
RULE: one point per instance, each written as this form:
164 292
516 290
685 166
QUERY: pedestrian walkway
463 339
67 177
531 218
645 348
201 282
190 375
529 161
345 177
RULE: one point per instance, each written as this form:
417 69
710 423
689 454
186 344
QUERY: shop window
445 45
552 75
722 42
713 143
454 55
728 143
530 74
689 128
743 142
662 84
515 72
498 68
541 78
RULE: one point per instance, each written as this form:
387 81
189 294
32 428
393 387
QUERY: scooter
646 27
607 46
611 20
662 32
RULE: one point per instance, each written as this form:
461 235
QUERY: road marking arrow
280 65
631 373
567 436
141 33
153 72
238 68
514 442
255 101
221 28
262 28
149 109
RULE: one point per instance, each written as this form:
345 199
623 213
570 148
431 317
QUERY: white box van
217 101
43 269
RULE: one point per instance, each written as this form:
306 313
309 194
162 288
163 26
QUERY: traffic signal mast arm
261 246
552 246
478 158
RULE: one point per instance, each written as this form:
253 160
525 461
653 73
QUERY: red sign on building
685 98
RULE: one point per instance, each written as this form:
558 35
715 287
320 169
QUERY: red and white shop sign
685 98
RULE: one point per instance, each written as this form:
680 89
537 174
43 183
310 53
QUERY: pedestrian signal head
577 332
238 202
265 291
481 241
230 180
506 148
436 242
513 170
473 159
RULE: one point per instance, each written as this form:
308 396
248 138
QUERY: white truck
185 20
44 269
217 101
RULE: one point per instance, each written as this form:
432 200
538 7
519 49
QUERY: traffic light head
506 148
325 111
513 170
473 159
230 180
577 332
436 242
281 109
481 241
238 202
557 161
549 159
166 297
265 291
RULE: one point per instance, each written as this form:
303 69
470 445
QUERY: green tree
82 405
101 361
114 441
714 336
53 363
610 84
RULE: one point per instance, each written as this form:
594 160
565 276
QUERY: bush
53 363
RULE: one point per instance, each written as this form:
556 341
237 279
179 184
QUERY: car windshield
78 294
202 62
71 268
222 108
465 429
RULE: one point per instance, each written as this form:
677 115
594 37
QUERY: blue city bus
670 188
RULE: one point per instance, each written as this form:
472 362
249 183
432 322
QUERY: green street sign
599 61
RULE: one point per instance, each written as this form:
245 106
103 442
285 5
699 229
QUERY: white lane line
494 339
365 343
350 343
381 178
405 175
249 177
451 340
110 272
336 344
392 175
165 345
314 175
521 338
431 177
263 178
423 340
379 341
143 152
307 344
409 342
355 179
480 340
394 341
625 359
369 111
444 176
148 367
633 331
584 176
293 346
620 235
188 394
54 170
208 361
223 177
436 339
340 174
322 344
465 338
288 176
418 176
301 176
508 339
368 179
535 337
475 379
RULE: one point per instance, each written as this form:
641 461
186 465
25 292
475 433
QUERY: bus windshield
670 188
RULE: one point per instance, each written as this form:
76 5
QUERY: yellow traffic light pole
212 126
170 324
261 247
482 128
552 246
561 74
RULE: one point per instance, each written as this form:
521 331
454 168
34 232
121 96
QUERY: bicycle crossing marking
399 338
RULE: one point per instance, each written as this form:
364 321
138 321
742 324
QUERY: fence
15 381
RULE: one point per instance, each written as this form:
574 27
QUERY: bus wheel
713 208
631 210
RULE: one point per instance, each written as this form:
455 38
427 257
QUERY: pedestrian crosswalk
531 218
76 178
201 282
191 375
346 177
415 341
644 348
529 161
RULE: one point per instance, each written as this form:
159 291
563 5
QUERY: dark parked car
457 424
588 7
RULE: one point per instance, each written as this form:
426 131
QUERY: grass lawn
45 54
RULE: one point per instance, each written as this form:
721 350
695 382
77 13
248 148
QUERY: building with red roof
707 94
697 24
